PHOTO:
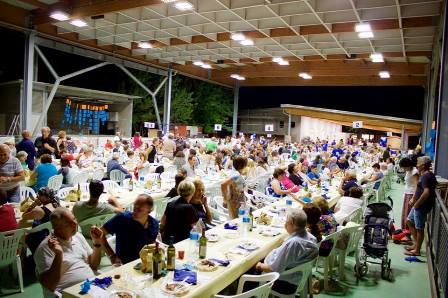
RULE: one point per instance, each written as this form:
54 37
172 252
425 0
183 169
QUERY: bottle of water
193 249
245 226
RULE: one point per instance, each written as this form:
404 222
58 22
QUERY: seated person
133 230
343 162
22 156
85 160
348 182
313 215
180 216
298 248
113 164
199 202
375 176
67 173
43 172
333 166
277 188
86 209
293 170
177 180
327 222
190 167
7 214
40 212
314 175
347 204
65 258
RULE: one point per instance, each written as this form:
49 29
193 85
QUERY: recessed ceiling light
206 66
184 5
363 27
237 77
59 15
168 1
283 62
305 76
237 36
78 23
384 74
198 63
277 59
247 42
144 45
367 34
376 57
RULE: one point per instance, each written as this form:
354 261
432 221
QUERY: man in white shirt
65 258
347 205
300 247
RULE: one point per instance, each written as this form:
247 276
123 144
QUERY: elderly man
113 164
348 182
169 146
11 173
422 203
28 146
65 258
300 247
45 144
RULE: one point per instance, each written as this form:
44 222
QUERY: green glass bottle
251 220
157 263
203 245
171 255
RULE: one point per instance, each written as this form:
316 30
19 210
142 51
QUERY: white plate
181 289
248 246
232 234
116 294
270 232
212 237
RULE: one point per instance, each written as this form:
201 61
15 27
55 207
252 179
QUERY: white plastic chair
80 178
160 206
304 281
354 234
218 216
98 174
26 192
117 176
55 182
262 291
63 192
218 203
98 221
329 260
109 185
9 244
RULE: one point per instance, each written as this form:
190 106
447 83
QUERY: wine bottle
78 193
131 184
251 220
203 245
171 255
157 263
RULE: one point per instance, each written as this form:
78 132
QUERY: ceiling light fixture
277 59
367 34
283 62
237 36
237 77
168 1
247 42
363 27
59 15
305 76
206 66
384 74
198 63
78 23
184 5
144 45
376 57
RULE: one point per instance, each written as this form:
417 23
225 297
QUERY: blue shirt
131 235
44 172
337 152
113 164
27 146
347 185
311 175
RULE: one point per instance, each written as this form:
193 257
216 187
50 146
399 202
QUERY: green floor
411 279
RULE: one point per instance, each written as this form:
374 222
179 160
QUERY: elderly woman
300 247
22 156
348 182
61 143
86 158
278 189
199 202
233 188
180 216
43 172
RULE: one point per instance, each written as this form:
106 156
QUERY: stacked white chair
9 244
55 182
110 185
266 282
26 192
81 177
63 192
117 176
98 174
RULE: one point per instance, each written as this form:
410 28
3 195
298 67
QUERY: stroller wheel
387 275
361 270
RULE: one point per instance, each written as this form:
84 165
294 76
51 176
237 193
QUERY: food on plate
264 219
175 288
206 265
122 294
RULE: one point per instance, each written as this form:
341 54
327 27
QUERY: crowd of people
64 257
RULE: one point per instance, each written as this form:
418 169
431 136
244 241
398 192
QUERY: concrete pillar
167 102
236 94
26 102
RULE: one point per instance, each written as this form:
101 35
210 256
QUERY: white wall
316 128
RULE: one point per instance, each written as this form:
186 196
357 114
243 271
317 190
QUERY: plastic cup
180 254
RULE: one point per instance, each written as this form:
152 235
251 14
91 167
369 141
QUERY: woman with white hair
300 247
86 159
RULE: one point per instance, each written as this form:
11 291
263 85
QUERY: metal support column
236 94
26 102
166 127
289 124
441 154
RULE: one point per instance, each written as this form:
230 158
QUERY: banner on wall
149 124
269 127
357 124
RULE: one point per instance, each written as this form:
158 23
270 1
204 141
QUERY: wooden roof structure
314 36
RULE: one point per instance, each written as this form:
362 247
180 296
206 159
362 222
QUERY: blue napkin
230 226
221 262
190 276
325 196
307 200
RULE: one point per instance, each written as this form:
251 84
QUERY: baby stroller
378 219
400 173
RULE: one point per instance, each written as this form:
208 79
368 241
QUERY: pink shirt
288 184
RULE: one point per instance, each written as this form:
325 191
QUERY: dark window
282 124
293 124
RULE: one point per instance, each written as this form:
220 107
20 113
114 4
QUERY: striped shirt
11 168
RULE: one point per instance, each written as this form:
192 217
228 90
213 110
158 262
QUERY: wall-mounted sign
269 135
269 127
218 127
150 125
357 124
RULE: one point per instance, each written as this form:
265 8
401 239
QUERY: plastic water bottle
245 226
193 249
241 212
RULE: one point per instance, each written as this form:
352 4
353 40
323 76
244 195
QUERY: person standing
152 150
169 146
410 184
28 146
11 173
45 144
422 203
